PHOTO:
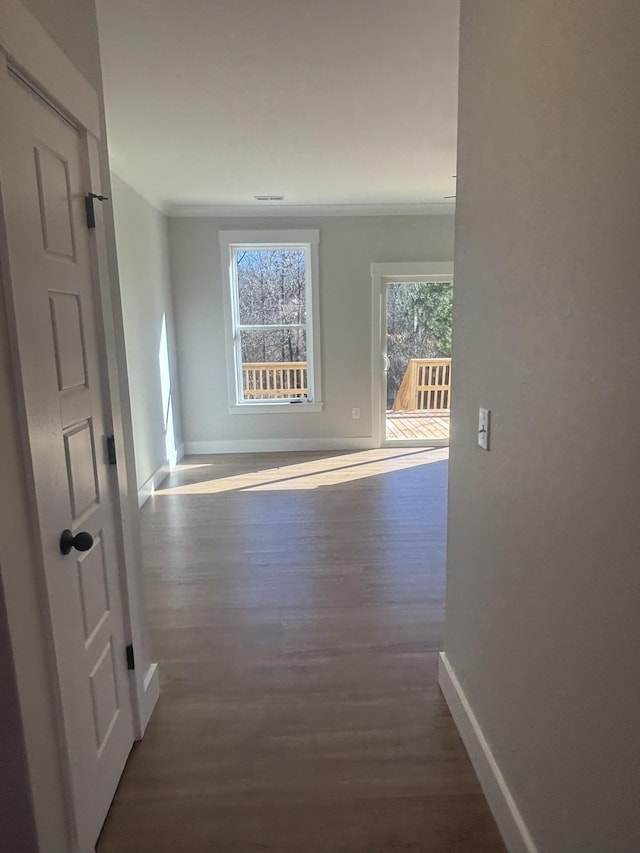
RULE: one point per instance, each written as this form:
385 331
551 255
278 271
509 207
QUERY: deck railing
271 380
426 386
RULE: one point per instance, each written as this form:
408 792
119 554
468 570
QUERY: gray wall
543 603
147 306
348 246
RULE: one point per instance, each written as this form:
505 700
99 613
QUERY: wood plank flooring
417 426
296 602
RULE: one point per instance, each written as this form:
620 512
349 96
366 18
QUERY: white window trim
281 238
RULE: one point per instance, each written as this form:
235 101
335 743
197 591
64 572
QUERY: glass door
417 362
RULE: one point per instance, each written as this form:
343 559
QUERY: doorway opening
413 370
418 360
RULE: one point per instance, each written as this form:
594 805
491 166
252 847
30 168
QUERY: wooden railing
270 380
426 386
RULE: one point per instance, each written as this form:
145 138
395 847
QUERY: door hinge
111 450
131 661
88 207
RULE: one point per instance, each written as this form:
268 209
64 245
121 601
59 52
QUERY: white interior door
61 366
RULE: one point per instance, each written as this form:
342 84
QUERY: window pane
271 286
278 345
274 363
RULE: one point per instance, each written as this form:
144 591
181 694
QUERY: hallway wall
543 580
147 308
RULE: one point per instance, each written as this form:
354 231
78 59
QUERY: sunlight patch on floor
311 474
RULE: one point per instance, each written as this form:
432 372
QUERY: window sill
275 408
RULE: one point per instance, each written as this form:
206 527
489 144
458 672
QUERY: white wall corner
150 695
505 811
148 488
175 457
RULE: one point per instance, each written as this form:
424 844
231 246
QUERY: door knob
81 541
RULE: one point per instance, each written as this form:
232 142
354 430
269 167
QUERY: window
271 278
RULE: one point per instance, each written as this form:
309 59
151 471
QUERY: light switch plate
484 426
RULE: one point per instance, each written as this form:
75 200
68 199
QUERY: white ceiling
333 102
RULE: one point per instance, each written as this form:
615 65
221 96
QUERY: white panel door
42 174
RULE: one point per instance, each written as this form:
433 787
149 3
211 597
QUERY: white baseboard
505 811
148 488
151 692
269 445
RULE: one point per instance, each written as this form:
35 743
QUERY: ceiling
333 103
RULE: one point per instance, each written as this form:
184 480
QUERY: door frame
26 49
381 275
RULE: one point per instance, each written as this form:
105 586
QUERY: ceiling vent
269 197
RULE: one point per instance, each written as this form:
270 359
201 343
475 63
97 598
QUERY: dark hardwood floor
296 603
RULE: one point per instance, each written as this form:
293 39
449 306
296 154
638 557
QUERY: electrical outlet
484 425
355 413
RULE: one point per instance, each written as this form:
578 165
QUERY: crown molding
310 210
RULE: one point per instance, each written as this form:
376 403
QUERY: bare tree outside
272 293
